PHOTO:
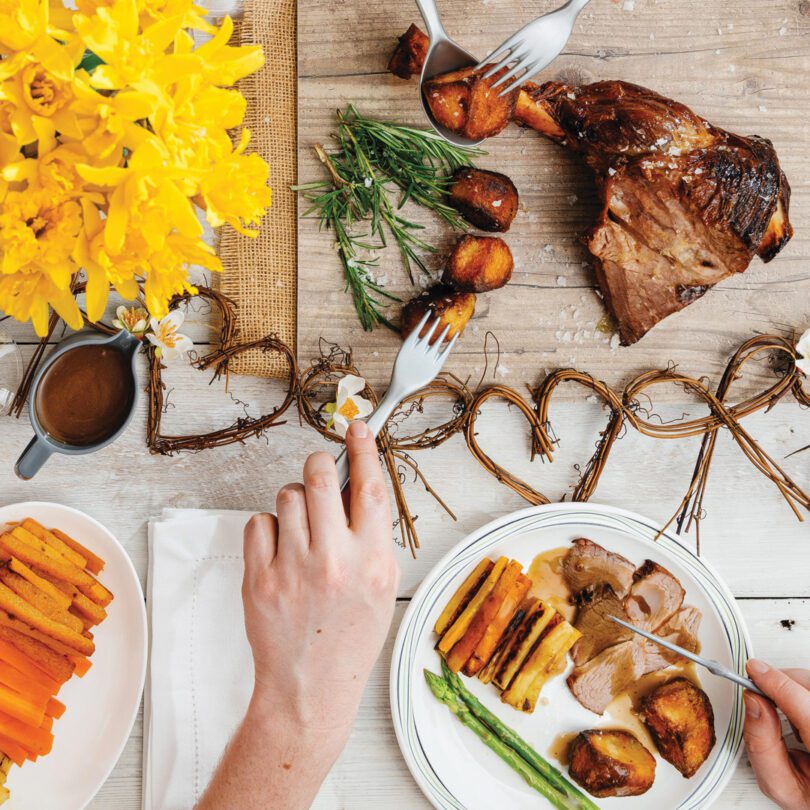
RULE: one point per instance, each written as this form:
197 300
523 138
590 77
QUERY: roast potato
531 111
453 308
478 264
488 200
466 104
680 719
611 762
409 55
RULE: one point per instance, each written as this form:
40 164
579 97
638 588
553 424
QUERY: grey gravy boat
43 446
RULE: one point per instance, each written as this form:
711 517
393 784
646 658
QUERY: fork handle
376 422
718 669
430 14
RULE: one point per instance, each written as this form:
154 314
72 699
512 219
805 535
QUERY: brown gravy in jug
86 395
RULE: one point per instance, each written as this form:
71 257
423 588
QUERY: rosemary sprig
375 170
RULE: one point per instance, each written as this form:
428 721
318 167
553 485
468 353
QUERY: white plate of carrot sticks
73 648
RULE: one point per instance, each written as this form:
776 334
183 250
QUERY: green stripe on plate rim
408 639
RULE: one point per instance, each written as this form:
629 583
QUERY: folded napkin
201 670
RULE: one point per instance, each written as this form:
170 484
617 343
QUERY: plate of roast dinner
511 686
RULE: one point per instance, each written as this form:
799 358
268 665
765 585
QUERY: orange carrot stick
27 687
20 708
41 533
15 752
33 739
49 588
82 665
55 708
51 663
8 622
17 659
17 607
94 562
47 723
33 552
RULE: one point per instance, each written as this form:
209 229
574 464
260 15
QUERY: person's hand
783 775
319 590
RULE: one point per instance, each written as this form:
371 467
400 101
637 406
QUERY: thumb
766 748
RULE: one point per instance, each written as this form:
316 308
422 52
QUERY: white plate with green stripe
456 770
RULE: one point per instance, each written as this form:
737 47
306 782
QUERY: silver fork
715 667
417 364
534 47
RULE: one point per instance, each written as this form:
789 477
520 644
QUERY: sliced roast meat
681 629
654 597
596 606
597 682
587 564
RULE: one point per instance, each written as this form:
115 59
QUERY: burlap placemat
260 275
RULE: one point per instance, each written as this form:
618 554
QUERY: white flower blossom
132 319
164 335
348 405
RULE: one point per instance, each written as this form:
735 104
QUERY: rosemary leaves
375 170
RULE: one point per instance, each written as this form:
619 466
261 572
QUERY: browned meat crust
685 204
588 564
655 597
608 657
596 606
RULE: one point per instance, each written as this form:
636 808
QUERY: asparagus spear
442 690
515 741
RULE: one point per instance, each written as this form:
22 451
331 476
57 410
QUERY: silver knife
715 667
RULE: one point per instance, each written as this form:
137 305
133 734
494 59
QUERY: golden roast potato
453 308
488 200
680 718
611 762
409 55
466 104
478 264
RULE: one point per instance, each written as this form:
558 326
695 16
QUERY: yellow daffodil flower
38 234
108 122
106 169
236 191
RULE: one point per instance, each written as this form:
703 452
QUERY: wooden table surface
744 66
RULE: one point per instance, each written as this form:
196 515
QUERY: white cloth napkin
201 670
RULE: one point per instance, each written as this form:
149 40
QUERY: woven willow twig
312 388
317 386
626 408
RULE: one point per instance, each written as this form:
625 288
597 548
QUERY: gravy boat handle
33 458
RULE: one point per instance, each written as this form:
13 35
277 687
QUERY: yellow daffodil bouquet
114 136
